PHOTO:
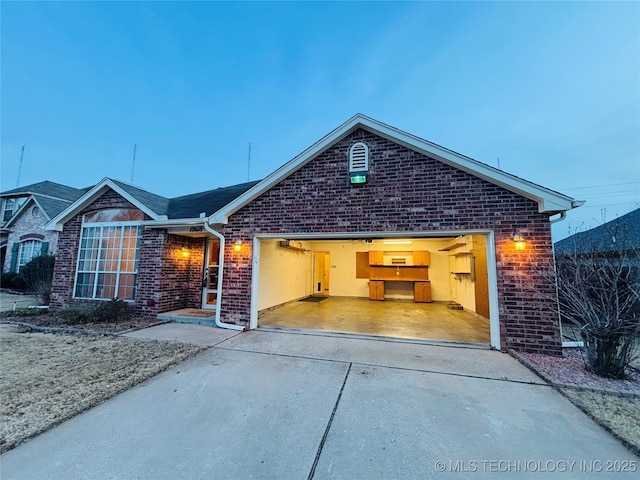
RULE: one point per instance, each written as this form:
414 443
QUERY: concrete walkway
274 405
10 301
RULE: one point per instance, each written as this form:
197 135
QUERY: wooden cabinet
460 263
376 257
376 290
422 292
401 274
410 267
421 258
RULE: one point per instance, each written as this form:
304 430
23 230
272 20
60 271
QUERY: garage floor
390 318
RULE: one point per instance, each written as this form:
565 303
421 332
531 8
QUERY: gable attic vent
359 157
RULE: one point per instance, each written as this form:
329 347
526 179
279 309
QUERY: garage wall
285 274
343 282
439 270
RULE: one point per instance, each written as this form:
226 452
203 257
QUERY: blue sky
552 89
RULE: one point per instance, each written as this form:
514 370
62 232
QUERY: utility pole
133 162
249 164
20 166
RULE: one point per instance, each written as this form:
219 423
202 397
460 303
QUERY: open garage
406 287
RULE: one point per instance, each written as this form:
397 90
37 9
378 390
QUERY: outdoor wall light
358 178
184 252
237 246
519 241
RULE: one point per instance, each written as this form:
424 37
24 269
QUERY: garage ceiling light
397 242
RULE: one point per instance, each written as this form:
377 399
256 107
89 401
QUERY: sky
547 91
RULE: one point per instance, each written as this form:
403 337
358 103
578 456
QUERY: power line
600 186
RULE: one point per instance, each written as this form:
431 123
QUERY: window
358 157
108 255
28 251
8 207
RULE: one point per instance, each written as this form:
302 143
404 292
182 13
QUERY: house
617 238
368 213
24 213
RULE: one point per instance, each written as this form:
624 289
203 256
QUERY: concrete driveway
274 405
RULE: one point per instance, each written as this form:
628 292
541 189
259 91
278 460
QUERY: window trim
37 248
118 272
5 209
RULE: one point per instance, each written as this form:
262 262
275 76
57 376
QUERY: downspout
220 324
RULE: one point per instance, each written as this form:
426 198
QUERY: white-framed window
27 251
10 206
108 255
359 157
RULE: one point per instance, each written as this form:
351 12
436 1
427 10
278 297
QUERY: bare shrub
38 275
598 278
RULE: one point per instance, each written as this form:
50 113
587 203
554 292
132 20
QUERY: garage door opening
413 288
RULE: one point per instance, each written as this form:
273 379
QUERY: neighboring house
617 238
365 190
24 213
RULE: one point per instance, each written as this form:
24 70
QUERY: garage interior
413 288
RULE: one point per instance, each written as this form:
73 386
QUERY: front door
210 275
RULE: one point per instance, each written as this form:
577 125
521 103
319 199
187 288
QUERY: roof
47 189
155 206
51 197
548 200
155 203
617 235
190 206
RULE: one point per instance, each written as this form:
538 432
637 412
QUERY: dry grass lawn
619 414
47 378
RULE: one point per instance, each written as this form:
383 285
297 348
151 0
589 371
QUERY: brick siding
405 192
166 279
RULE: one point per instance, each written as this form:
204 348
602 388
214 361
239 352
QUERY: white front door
211 270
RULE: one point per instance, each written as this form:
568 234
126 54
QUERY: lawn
47 378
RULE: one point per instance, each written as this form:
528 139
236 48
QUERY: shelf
291 245
453 246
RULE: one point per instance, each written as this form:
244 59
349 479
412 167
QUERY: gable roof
50 207
615 236
155 206
548 200
46 189
51 197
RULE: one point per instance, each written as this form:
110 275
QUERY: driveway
276 405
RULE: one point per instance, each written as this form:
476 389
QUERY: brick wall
405 192
166 279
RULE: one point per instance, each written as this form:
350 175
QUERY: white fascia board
88 198
548 200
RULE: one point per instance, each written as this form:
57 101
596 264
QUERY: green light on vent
358 178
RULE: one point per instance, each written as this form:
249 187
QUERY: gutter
220 324
563 214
